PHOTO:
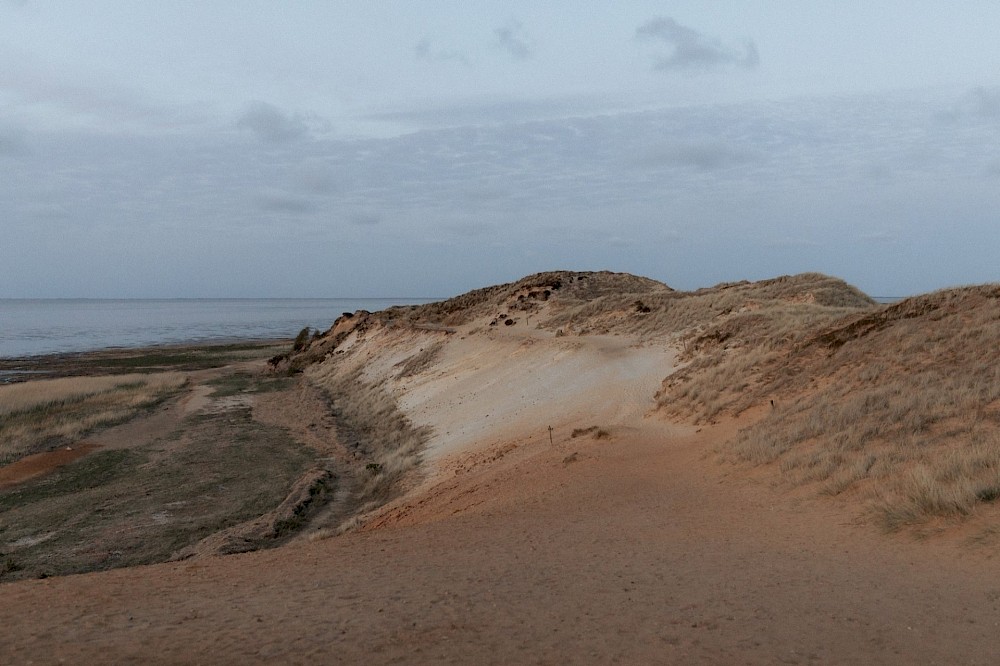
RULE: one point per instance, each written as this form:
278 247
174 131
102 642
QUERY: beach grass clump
38 415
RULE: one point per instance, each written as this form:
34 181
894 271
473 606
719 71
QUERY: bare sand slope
516 383
632 549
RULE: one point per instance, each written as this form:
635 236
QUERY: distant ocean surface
29 327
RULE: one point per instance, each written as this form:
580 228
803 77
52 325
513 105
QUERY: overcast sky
210 148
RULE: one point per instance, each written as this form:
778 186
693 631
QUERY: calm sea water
29 327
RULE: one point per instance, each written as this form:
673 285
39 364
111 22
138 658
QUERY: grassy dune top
898 405
606 302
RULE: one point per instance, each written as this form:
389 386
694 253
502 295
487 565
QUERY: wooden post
550 436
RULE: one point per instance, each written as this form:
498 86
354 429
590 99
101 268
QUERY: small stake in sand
550 436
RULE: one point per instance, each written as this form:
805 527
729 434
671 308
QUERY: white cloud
425 50
703 155
691 49
283 203
365 219
12 143
271 125
512 38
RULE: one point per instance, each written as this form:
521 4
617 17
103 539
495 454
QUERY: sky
421 149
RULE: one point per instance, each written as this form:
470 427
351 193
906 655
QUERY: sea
32 327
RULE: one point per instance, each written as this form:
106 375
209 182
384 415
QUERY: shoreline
192 355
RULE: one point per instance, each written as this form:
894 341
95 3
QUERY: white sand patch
488 388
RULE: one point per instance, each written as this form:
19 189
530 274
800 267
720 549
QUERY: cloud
512 39
986 102
464 229
54 98
316 176
982 103
271 125
706 156
365 219
693 50
879 237
791 243
498 110
11 144
425 51
282 203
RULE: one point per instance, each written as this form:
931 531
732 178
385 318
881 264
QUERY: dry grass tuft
736 339
593 431
39 414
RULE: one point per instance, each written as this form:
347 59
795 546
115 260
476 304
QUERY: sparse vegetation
372 426
244 382
302 339
122 507
420 361
900 406
38 415
593 431
8 565
144 360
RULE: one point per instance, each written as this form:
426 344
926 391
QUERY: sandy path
634 549
639 552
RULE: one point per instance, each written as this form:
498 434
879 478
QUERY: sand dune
510 543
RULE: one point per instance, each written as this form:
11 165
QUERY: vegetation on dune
565 288
901 405
898 404
373 428
142 504
142 360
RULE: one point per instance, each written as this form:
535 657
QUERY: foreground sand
634 549
639 551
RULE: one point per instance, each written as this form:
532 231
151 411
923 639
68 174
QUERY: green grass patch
138 506
239 382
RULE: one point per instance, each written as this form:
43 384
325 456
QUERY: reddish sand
640 551
40 464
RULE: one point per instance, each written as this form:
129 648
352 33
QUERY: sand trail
638 552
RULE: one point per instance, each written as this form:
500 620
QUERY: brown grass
901 406
735 339
39 414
